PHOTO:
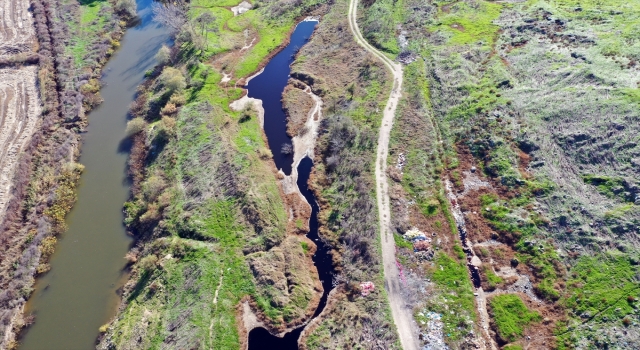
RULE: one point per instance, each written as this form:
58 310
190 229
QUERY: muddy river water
79 294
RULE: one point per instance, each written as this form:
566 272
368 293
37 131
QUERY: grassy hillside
530 110
207 208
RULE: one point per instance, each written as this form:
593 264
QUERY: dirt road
402 315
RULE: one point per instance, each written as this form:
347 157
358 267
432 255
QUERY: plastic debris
366 288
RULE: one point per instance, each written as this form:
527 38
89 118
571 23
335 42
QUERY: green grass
599 286
511 315
512 347
85 33
380 22
492 278
605 184
215 3
188 284
401 242
229 29
619 211
602 291
477 23
456 304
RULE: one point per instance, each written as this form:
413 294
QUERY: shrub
178 99
135 126
126 7
169 109
265 153
172 79
168 125
47 247
148 262
164 55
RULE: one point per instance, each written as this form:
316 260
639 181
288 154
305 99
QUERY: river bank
208 211
88 266
46 172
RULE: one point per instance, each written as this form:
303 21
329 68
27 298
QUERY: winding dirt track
19 111
402 315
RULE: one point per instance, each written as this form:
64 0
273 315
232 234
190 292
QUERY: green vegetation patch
600 287
380 22
511 315
492 279
456 304
93 18
610 186
466 24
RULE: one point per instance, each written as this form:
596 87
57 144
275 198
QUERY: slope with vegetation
74 39
216 233
529 110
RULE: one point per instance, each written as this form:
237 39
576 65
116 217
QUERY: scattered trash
421 245
432 333
241 8
366 288
414 234
401 161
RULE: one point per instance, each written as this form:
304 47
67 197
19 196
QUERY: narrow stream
269 86
79 294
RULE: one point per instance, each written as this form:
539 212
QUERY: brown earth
496 251
296 104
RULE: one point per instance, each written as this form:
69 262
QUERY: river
79 294
269 86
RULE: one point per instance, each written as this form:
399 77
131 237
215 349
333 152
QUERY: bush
164 55
178 99
47 247
135 126
126 7
172 79
168 126
265 153
148 262
169 109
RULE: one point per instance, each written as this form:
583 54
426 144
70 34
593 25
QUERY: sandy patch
242 103
241 8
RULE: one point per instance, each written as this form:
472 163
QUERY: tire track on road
402 315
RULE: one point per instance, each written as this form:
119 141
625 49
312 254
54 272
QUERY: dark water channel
79 294
269 86
473 270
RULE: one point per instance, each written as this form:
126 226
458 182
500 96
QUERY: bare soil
19 111
402 316
497 255
17 34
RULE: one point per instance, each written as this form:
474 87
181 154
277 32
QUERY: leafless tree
170 15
